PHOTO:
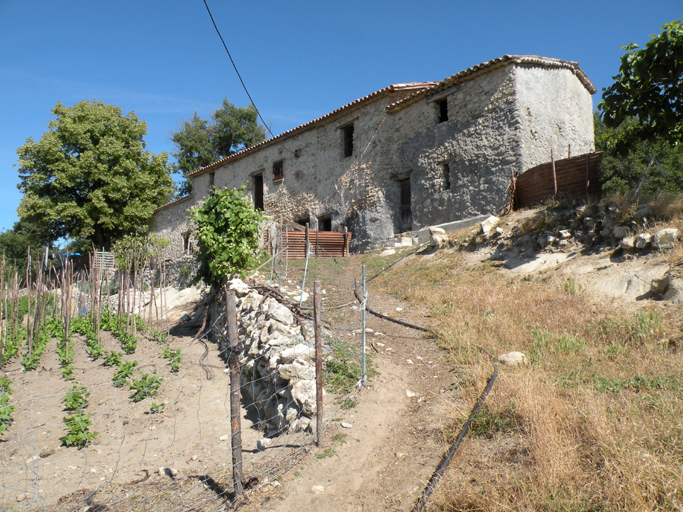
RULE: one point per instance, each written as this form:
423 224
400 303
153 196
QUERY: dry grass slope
593 422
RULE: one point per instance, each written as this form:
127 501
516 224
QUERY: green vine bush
227 233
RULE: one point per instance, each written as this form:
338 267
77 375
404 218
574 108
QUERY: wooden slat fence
578 176
324 244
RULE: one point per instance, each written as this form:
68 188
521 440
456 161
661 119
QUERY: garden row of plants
38 306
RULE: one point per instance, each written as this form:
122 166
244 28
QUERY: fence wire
169 447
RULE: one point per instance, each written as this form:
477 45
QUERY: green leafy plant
173 356
156 408
78 430
65 351
123 371
228 235
112 358
31 359
6 410
76 399
147 385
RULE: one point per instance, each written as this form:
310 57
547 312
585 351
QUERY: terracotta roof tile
327 117
171 203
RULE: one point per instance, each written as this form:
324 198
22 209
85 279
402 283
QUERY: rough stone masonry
409 155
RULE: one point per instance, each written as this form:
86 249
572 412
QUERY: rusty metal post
234 362
318 365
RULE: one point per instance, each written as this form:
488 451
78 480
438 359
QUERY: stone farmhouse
409 155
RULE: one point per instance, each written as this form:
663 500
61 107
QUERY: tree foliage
648 88
89 177
15 244
200 142
227 233
622 171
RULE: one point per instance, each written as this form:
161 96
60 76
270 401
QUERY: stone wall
500 122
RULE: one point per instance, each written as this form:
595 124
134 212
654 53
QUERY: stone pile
278 364
582 226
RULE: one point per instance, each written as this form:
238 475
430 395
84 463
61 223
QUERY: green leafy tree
228 235
89 178
200 142
622 172
648 88
15 244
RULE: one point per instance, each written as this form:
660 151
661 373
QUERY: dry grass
593 422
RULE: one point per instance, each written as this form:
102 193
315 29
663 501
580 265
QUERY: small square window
325 223
348 140
278 171
446 175
442 109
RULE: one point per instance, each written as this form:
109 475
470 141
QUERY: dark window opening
405 210
442 105
212 179
348 140
278 171
258 191
187 244
325 223
446 173
303 221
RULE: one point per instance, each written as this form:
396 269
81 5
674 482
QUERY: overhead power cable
240 76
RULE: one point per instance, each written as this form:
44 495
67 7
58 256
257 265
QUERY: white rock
565 233
224 438
661 285
665 238
488 224
346 425
263 443
239 287
410 394
303 392
621 232
643 240
388 252
280 313
318 489
300 351
628 242
512 358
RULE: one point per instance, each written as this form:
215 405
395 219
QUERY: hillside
591 421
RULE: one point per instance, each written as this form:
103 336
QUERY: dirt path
394 442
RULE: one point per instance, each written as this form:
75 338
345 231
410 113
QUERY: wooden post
234 362
318 365
587 174
345 250
552 160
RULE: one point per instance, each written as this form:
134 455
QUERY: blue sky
300 60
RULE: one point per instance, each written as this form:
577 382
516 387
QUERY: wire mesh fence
143 421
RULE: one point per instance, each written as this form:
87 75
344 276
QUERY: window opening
187 244
405 210
212 179
278 171
442 105
348 140
325 223
446 173
258 191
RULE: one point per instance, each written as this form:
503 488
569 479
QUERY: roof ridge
488 66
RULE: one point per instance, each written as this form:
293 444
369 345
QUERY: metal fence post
363 308
318 365
234 362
